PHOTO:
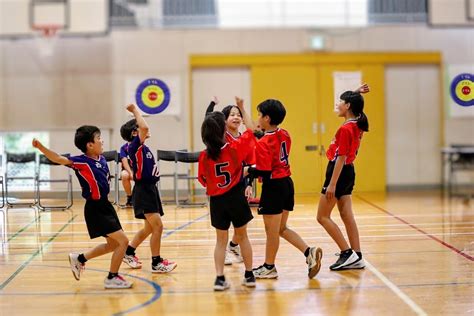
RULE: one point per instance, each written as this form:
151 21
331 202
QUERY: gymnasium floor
419 249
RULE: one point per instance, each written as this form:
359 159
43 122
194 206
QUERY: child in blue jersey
127 173
146 199
100 216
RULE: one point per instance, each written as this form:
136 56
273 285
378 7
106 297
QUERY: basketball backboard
23 18
451 13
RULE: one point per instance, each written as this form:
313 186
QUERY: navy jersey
143 162
124 151
93 175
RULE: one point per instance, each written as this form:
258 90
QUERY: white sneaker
314 261
220 285
356 265
346 258
228 258
164 266
132 261
263 273
117 282
235 251
76 267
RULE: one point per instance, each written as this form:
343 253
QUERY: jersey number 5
220 172
284 153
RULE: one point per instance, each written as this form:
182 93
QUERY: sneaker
220 285
228 258
164 266
314 261
76 267
263 273
235 251
345 258
356 265
129 202
249 282
132 261
117 282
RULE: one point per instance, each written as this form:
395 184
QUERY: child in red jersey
220 171
277 199
340 179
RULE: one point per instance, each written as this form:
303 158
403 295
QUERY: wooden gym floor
419 249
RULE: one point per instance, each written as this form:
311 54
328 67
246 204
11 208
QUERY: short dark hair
356 101
212 134
84 135
274 109
226 110
127 129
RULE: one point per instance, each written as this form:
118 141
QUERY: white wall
84 81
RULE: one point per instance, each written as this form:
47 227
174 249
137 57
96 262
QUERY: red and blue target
462 89
153 96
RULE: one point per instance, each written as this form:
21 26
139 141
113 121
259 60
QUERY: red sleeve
244 145
343 140
201 173
263 156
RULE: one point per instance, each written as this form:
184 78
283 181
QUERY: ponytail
212 134
357 107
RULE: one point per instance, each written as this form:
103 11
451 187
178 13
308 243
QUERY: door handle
322 152
311 147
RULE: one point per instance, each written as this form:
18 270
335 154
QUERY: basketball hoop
46 38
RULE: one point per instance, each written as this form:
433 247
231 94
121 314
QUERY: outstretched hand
215 100
131 107
36 143
240 103
364 88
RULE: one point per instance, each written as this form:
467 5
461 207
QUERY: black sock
82 259
156 260
112 275
248 274
306 252
269 266
359 254
232 244
129 198
130 251
221 277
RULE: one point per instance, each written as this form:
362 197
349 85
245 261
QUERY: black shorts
346 180
146 199
230 207
277 195
101 218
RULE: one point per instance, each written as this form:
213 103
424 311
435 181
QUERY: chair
44 161
170 156
16 169
187 158
462 159
112 157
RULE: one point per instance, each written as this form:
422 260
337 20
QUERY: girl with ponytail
340 179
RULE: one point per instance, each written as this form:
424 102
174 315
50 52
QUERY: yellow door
295 86
370 162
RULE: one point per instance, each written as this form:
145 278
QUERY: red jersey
250 159
222 175
272 152
346 142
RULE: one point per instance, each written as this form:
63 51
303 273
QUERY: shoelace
120 278
135 258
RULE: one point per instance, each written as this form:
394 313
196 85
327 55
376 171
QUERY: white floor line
405 298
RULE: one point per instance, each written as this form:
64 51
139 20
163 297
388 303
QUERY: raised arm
210 107
143 129
249 123
51 155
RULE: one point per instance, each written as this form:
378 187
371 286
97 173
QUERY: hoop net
46 37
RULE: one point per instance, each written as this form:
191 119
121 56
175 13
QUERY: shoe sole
249 284
221 288
267 277
163 272
70 263
118 287
315 270
353 266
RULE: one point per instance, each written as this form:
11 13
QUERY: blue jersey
143 162
124 151
93 175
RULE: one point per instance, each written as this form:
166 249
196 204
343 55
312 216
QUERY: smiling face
97 147
342 108
234 120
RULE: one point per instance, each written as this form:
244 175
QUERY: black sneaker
346 258
221 285
249 281
129 202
